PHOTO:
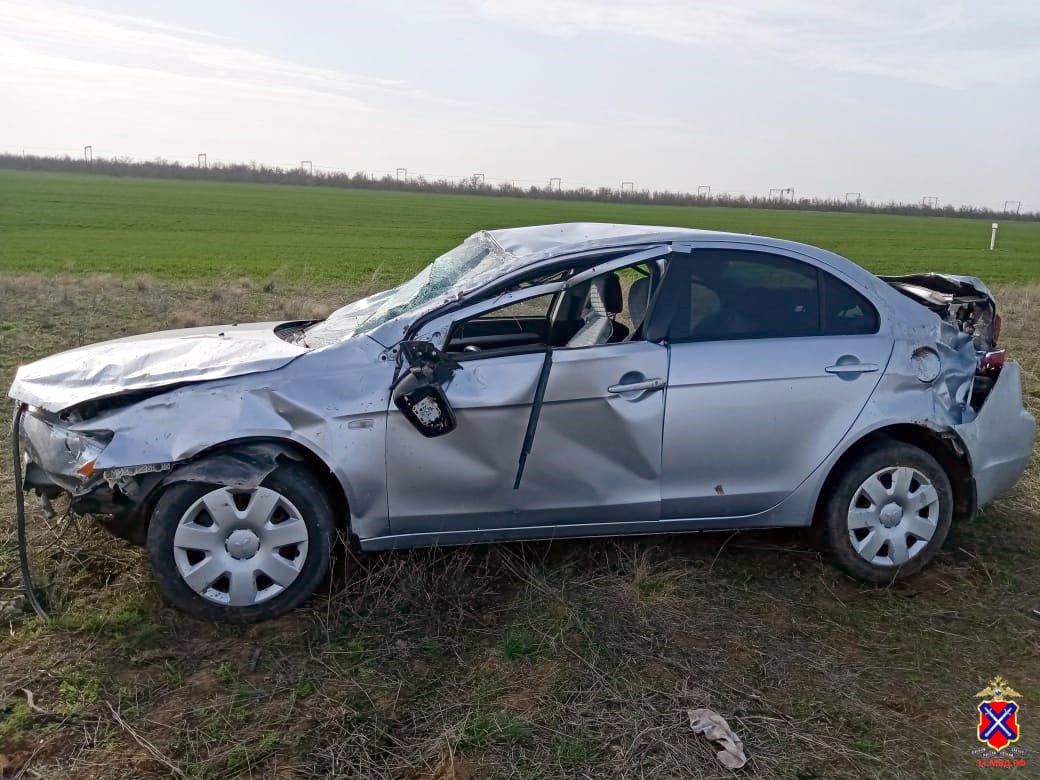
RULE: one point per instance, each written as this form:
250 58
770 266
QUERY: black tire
831 529
298 486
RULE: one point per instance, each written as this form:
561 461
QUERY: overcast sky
889 98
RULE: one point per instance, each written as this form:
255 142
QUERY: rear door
772 360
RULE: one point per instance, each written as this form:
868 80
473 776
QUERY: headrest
613 301
638 300
594 299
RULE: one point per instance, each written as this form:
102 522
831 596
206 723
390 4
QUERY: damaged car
549 382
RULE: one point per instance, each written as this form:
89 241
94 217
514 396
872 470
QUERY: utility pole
1008 204
478 180
849 195
930 201
88 153
309 165
202 161
628 186
402 174
704 190
554 184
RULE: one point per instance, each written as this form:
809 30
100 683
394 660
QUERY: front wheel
888 514
242 555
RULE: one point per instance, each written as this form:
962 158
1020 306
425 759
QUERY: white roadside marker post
993 237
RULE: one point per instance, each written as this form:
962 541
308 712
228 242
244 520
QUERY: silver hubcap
893 515
240 547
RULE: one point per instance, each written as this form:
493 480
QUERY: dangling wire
19 498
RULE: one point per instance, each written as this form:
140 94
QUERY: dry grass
572 659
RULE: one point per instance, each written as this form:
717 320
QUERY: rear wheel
888 514
242 555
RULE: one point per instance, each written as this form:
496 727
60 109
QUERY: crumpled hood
153 360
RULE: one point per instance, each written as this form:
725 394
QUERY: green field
534 661
197 230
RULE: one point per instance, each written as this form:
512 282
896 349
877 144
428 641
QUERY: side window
736 294
845 311
607 309
519 310
520 325
747 295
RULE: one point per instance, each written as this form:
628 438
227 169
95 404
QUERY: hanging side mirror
426 407
419 393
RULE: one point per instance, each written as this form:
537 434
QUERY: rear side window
734 294
845 311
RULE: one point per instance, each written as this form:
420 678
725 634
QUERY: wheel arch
945 446
266 447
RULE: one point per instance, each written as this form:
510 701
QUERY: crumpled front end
58 460
113 455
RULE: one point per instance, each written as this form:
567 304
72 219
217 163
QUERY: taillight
996 330
992 362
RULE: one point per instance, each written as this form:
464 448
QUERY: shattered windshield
470 265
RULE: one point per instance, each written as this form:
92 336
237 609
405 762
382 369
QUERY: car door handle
852 368
647 384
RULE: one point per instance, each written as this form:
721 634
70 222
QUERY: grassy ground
535 660
192 230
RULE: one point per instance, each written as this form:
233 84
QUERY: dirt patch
532 683
14 755
451 768
20 754
202 686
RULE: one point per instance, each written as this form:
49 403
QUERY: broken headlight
60 450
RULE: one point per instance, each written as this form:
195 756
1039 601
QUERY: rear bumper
1000 439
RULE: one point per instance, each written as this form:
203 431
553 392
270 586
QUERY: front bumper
59 461
1000 439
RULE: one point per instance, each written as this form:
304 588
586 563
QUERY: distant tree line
264 174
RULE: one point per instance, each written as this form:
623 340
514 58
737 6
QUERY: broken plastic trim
426 408
244 467
426 358
419 393
532 421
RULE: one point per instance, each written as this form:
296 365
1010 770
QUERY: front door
596 455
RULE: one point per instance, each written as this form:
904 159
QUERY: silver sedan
571 380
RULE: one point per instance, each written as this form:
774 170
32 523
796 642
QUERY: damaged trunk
967 304
963 301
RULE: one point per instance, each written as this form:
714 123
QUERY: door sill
577 531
